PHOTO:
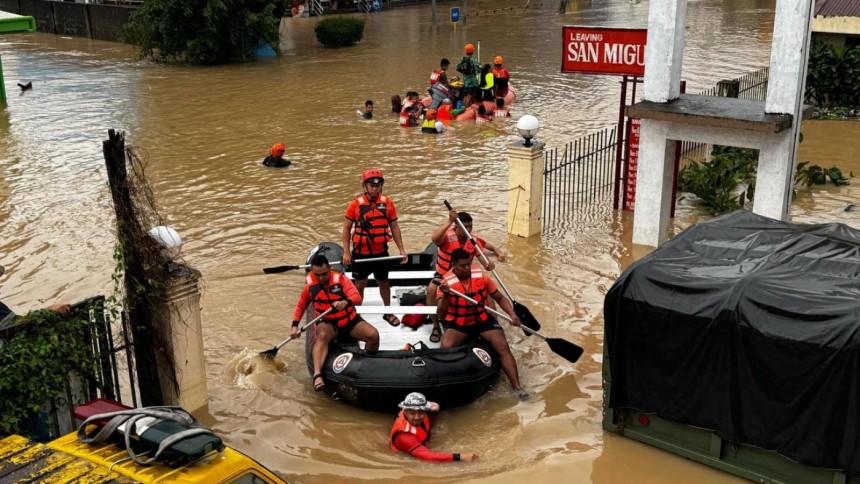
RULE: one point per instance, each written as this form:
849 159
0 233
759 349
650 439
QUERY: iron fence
577 176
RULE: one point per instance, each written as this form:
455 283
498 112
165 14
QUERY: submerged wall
102 22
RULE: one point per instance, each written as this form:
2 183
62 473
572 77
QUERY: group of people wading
370 223
480 95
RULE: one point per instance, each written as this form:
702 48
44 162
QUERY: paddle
270 353
279 269
522 312
567 350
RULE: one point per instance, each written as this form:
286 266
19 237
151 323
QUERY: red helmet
371 174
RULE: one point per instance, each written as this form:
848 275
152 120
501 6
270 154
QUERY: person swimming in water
276 157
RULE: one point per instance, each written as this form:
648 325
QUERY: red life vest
372 226
443 257
501 113
322 297
462 312
434 76
402 425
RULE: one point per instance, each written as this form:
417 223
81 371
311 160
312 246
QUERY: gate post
525 188
179 321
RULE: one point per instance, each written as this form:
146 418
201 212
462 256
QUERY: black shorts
379 269
475 330
474 91
343 332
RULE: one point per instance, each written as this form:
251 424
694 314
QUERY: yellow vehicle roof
66 459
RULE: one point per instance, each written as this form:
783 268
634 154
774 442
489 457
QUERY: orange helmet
469 49
278 149
371 174
499 60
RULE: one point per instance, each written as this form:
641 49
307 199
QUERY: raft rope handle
129 417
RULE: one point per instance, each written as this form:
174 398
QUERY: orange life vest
402 425
322 297
443 257
372 226
462 312
434 76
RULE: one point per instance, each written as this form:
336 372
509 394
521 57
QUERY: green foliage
336 32
36 361
203 31
833 76
815 175
723 184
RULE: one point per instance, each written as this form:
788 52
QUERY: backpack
466 67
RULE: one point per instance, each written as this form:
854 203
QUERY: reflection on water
204 132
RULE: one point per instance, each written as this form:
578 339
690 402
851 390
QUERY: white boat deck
395 338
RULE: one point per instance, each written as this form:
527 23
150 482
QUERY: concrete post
182 333
664 52
525 188
653 183
2 85
789 54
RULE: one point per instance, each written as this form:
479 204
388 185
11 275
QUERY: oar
279 269
522 312
562 347
270 353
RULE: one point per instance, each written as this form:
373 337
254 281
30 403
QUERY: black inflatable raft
452 377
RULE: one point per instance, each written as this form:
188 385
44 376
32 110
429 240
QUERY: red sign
632 162
596 50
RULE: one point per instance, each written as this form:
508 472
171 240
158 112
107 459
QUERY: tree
203 31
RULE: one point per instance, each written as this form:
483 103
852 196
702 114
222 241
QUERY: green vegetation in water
833 78
727 182
336 32
36 361
203 31
724 183
815 175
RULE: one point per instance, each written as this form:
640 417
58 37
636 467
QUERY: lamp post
528 127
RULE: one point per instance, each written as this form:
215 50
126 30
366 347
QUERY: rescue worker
411 430
444 114
326 289
501 77
471 69
448 237
276 157
429 123
482 116
487 79
464 319
443 69
439 91
370 223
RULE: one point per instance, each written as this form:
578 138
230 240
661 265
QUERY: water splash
249 370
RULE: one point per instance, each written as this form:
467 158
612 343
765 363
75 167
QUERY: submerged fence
582 173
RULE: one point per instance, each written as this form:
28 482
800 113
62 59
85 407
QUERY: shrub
833 76
336 32
725 183
815 175
203 31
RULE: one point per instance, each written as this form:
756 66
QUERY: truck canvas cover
750 327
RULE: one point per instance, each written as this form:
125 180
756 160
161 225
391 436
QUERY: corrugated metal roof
837 8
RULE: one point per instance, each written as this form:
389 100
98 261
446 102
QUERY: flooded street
204 132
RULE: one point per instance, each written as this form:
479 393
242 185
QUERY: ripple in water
249 370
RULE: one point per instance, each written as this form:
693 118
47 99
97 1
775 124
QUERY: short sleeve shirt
353 214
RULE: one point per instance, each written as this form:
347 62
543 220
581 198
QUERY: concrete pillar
664 52
525 188
181 332
2 85
787 80
653 184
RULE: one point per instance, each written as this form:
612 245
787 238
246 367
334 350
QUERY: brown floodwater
204 132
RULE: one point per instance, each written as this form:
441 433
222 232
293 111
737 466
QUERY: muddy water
204 131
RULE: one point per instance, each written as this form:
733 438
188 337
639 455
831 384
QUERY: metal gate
581 174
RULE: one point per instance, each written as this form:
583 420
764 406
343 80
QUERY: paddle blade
565 349
270 353
526 317
278 269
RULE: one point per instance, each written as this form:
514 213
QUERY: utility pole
465 11
433 3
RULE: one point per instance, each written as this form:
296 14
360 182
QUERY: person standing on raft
471 69
276 157
463 319
411 430
370 223
501 77
326 289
